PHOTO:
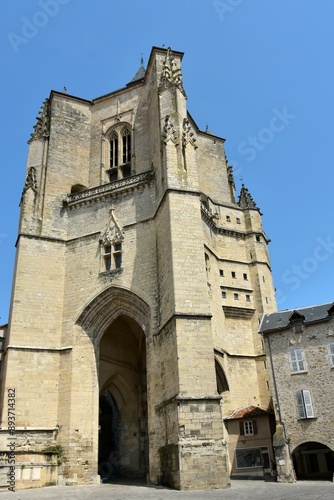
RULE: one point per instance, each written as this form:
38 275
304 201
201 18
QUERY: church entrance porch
123 443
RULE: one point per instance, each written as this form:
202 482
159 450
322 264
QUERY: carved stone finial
171 74
230 175
169 133
245 199
42 127
188 135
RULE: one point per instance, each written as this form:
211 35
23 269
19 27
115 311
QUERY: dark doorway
109 437
313 460
123 440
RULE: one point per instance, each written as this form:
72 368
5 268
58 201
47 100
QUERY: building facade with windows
140 281
299 346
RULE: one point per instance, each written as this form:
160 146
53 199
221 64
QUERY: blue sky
258 73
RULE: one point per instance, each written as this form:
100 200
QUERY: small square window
236 296
248 427
233 274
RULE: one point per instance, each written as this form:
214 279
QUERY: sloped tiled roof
247 412
139 75
283 319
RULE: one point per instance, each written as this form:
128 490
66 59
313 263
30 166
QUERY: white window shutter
300 358
300 405
293 359
308 404
331 353
297 360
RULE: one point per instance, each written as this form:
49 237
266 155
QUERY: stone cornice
107 190
211 219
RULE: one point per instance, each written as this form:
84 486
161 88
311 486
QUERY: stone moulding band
38 348
108 189
184 399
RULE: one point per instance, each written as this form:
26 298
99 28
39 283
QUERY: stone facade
140 281
299 346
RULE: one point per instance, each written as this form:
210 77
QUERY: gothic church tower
139 284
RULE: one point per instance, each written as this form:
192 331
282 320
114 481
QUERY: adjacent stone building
140 281
299 346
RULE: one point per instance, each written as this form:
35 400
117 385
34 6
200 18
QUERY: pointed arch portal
116 321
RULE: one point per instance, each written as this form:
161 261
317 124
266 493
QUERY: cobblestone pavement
240 490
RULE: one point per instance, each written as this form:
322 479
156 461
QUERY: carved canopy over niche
113 231
188 136
171 74
30 182
169 132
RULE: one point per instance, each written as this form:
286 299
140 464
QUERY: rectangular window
228 218
233 274
117 251
238 220
126 170
249 457
248 428
245 277
223 295
107 257
248 298
297 360
304 404
236 296
113 174
221 272
331 353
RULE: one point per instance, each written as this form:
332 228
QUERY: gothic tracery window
120 153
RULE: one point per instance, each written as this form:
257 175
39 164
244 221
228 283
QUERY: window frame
119 152
330 348
297 364
305 408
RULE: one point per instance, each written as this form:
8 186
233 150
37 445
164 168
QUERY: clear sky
259 73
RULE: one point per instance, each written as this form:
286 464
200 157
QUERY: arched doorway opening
313 460
123 442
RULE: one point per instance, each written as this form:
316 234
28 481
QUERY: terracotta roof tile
247 412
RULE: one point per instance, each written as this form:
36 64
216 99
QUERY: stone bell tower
126 345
